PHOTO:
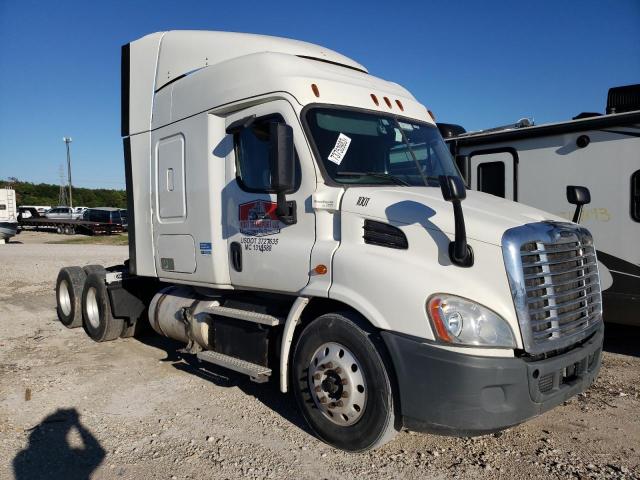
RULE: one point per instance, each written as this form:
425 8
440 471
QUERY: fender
287 338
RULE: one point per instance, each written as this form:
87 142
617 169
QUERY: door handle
236 256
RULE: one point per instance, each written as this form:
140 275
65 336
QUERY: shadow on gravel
50 454
267 393
623 339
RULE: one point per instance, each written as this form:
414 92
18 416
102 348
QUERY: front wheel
342 383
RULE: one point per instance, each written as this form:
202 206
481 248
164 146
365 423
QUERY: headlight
460 321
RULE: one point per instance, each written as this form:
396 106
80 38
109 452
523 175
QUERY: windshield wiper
386 176
413 155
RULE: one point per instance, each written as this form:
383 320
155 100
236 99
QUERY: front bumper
451 393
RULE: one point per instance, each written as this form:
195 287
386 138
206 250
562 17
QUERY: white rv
8 214
294 218
535 164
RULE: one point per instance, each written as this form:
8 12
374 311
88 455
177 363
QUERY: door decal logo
258 218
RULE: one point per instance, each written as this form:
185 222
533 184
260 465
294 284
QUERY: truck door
493 171
265 253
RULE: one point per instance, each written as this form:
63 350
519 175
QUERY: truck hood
486 216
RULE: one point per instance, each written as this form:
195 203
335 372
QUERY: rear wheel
69 287
342 383
99 323
89 269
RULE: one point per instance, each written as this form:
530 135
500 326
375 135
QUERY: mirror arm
285 210
460 242
460 252
577 214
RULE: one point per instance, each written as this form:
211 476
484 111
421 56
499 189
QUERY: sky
479 64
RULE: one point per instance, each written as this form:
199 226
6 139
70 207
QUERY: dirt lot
71 408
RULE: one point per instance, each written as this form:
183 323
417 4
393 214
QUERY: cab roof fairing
182 51
260 74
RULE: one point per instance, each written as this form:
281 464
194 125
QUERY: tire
365 417
69 287
98 321
89 269
59 230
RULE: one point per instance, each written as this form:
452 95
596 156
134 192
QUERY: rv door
494 171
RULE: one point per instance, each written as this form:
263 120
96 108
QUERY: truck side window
491 178
252 157
253 170
635 196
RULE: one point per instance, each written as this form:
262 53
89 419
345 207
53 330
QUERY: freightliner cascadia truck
298 220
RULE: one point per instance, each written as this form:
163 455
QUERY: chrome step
245 315
257 373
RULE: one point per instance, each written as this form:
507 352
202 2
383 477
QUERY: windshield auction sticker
339 149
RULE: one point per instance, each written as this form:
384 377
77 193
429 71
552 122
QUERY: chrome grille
554 280
561 282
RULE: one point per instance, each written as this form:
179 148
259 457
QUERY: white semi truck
295 218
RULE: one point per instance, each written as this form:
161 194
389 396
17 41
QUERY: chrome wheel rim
93 314
64 298
337 384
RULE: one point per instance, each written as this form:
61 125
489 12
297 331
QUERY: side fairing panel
137 167
139 63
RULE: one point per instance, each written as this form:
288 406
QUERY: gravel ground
71 408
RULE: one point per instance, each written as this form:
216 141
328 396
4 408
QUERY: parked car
106 215
79 211
26 210
60 213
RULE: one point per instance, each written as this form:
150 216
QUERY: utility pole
67 141
62 193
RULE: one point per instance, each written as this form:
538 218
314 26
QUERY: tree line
28 193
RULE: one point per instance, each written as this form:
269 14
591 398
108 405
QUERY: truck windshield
359 147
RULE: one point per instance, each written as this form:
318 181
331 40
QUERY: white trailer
534 165
8 214
294 218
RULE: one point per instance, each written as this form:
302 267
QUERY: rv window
3 207
635 196
253 170
491 178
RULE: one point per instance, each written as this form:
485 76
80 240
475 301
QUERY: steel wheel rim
64 298
93 314
337 384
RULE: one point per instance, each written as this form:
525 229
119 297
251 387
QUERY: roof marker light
315 89
375 100
387 101
399 105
